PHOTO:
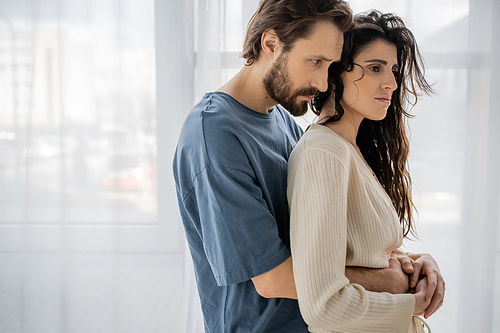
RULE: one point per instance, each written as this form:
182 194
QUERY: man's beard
278 85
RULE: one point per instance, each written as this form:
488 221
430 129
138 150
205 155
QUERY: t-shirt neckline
244 107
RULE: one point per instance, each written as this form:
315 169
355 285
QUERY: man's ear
270 43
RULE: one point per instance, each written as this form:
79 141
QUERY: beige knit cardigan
341 216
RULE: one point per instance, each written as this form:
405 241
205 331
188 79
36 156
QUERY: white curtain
92 97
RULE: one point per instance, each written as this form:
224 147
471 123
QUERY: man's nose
320 81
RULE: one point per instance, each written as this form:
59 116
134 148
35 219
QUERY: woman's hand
421 304
424 265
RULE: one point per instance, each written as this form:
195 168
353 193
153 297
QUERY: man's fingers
406 264
393 260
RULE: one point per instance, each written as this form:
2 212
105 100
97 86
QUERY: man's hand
392 279
424 265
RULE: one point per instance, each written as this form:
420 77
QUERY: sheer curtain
89 235
92 98
454 154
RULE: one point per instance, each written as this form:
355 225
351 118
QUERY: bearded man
230 169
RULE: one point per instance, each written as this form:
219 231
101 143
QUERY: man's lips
308 97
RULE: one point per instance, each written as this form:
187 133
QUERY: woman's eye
375 69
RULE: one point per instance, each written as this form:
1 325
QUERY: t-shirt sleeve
239 233
318 202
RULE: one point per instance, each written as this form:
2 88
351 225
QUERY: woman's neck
347 127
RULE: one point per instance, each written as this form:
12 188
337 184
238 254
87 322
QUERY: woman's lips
385 100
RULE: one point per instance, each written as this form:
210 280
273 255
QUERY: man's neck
247 88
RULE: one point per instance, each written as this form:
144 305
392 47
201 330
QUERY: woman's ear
270 43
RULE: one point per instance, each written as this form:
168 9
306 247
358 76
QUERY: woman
348 187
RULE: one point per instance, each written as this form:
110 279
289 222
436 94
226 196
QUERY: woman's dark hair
292 19
384 144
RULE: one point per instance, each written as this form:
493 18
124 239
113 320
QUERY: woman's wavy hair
384 144
292 19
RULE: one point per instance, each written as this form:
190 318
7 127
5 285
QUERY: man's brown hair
292 20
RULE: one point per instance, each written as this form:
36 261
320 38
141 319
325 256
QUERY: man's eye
315 61
375 69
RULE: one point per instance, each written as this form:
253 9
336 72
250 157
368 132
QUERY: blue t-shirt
230 171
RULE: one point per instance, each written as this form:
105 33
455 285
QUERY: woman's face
369 85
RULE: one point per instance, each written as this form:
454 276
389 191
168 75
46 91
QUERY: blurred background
92 97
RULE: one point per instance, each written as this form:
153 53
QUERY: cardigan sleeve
317 194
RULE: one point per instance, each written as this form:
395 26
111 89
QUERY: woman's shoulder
319 149
321 138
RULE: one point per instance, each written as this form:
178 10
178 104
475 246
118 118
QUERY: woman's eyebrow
383 62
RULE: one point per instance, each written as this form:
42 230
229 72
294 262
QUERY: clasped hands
425 280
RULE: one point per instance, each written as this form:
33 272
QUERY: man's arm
392 279
279 282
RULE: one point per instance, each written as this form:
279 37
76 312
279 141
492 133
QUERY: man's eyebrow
320 58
